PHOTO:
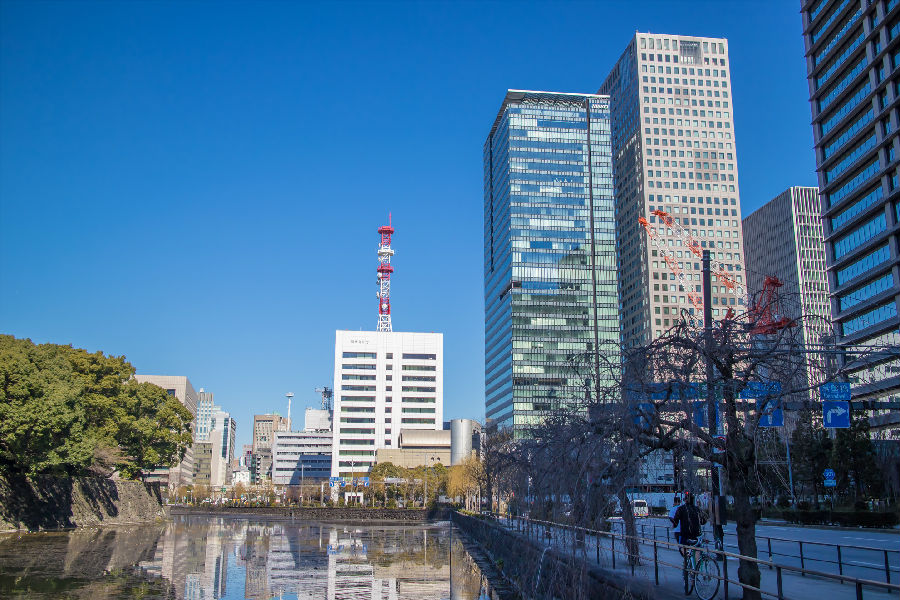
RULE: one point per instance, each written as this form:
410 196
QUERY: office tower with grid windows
674 148
550 276
783 238
852 55
384 381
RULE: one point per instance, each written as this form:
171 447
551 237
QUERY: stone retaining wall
58 502
319 514
539 572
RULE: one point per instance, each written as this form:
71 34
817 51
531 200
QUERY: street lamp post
302 480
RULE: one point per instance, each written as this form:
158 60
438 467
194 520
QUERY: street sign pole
715 482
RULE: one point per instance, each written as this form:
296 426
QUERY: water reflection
196 558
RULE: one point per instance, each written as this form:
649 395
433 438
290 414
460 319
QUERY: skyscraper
549 252
852 55
783 238
674 148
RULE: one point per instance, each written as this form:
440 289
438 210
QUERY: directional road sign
835 391
830 483
701 412
836 414
768 401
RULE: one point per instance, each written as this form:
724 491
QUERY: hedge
843 518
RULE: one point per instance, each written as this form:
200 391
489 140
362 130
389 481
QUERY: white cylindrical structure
461 434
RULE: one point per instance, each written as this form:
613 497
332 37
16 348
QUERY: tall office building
180 387
549 253
674 148
783 238
852 55
367 367
221 436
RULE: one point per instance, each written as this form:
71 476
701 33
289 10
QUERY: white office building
383 381
303 456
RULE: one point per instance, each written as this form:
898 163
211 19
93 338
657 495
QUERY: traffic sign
835 391
828 473
830 483
836 414
700 413
770 412
768 401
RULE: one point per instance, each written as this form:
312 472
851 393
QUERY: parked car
640 508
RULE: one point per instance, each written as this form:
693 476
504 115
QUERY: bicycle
701 573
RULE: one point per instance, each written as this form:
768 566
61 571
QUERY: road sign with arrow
836 414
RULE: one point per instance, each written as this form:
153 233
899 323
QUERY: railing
539 529
804 557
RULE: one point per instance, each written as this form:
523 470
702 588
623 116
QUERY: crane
765 316
327 396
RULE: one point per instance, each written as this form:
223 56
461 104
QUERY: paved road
670 577
819 547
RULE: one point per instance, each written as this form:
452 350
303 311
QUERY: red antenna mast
384 276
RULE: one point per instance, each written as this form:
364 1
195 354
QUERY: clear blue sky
197 185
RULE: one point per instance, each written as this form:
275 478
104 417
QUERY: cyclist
688 520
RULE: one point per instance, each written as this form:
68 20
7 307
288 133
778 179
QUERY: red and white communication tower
384 276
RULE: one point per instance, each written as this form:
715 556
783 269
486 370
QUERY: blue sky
198 185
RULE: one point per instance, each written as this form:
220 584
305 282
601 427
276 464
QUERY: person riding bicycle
688 521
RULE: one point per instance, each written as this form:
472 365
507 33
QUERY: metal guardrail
804 558
531 528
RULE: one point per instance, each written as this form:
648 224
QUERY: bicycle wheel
688 576
706 580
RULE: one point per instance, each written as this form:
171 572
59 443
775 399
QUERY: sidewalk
668 567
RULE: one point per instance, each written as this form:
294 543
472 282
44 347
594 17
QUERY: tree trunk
745 519
631 543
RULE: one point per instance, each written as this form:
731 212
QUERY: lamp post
302 480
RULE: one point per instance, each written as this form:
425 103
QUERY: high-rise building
205 408
674 148
222 436
549 253
783 238
366 364
180 387
852 55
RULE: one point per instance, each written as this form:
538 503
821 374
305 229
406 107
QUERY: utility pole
711 408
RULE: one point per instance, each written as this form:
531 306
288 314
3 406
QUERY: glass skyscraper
551 309
852 56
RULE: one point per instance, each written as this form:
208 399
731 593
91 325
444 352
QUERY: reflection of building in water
298 563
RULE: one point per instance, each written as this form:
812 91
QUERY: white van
640 508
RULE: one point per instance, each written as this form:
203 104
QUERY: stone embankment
318 514
538 571
48 502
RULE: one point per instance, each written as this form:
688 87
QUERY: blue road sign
835 391
836 414
830 483
828 473
770 412
768 401
700 413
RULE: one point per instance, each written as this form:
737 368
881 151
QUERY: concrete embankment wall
60 502
318 514
541 573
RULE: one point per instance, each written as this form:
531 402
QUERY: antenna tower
384 276
327 396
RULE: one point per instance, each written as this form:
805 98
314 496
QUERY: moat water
196 557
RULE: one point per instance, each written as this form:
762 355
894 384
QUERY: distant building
180 387
264 428
303 456
222 436
383 381
784 238
465 439
418 448
242 476
203 452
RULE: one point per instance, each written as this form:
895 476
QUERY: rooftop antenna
384 276
289 396
327 395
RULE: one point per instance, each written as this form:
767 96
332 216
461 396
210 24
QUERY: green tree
42 420
66 411
854 461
